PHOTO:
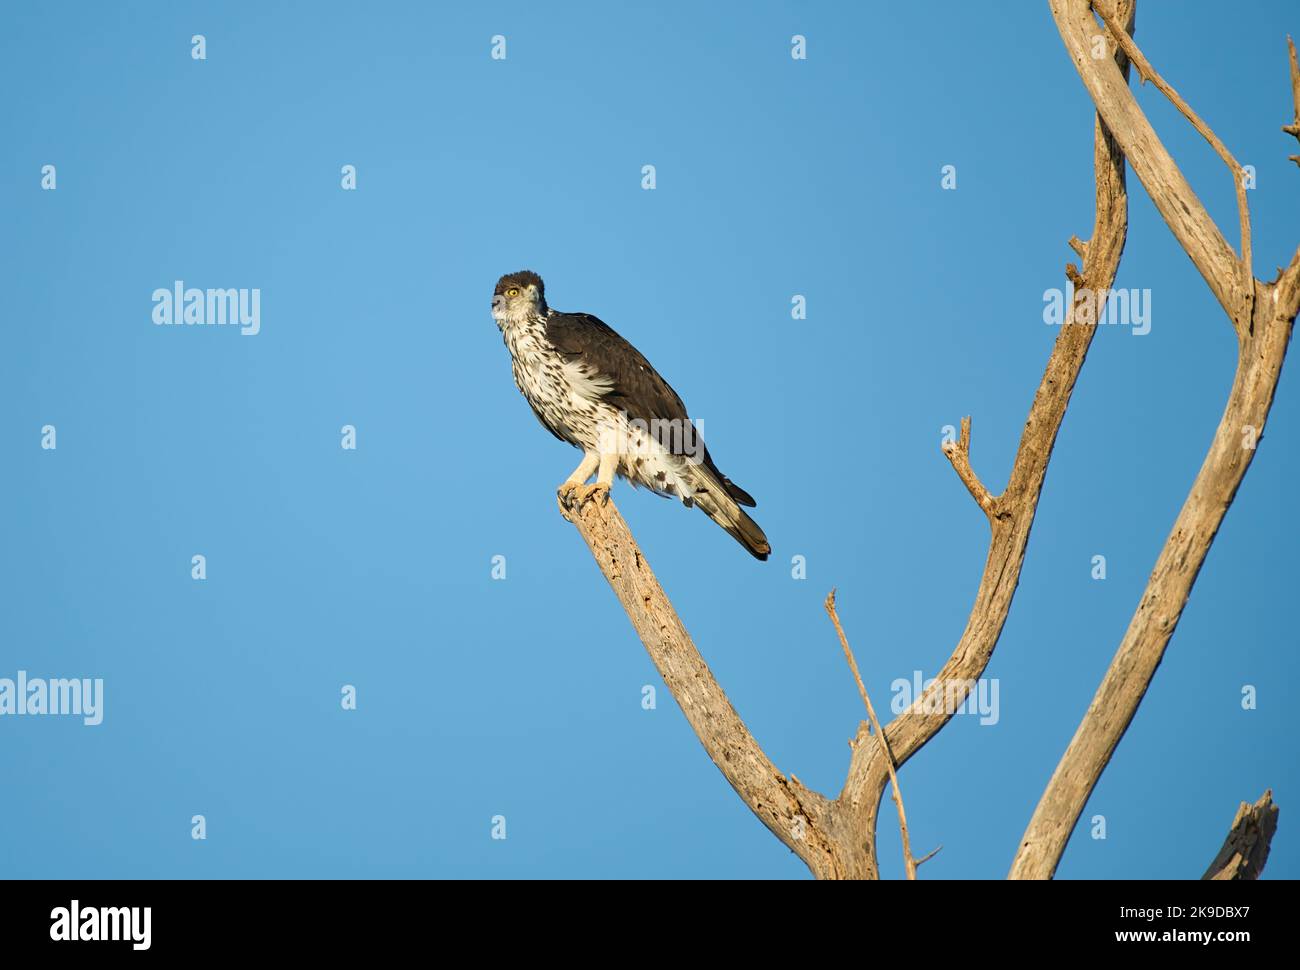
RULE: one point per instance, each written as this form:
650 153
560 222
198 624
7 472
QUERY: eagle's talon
573 496
566 498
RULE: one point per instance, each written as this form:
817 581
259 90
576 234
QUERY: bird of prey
590 387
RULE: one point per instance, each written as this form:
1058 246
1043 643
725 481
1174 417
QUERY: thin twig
908 861
1148 72
929 855
1294 128
1295 83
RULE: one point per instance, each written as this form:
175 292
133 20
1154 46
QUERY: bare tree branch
929 855
1245 850
1146 71
1173 197
1011 514
1263 319
909 863
797 816
959 454
836 839
1294 127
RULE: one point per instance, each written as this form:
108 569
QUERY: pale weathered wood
1149 73
838 837
797 816
1173 197
1263 315
1010 514
1294 127
909 863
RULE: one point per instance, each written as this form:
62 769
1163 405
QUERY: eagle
590 387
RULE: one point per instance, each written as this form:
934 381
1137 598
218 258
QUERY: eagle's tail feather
747 532
739 494
735 491
718 501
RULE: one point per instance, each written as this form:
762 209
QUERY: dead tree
1262 315
836 837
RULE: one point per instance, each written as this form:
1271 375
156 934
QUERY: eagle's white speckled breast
566 401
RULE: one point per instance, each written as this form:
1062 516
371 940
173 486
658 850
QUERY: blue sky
373 567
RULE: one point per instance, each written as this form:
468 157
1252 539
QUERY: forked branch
1263 315
837 838
958 453
1011 514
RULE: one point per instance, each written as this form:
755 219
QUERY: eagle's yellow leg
608 465
604 478
588 465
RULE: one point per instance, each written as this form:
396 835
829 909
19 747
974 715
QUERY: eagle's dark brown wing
636 388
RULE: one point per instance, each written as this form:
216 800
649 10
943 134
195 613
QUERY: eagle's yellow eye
513 291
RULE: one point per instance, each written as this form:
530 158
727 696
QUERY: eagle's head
519 296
